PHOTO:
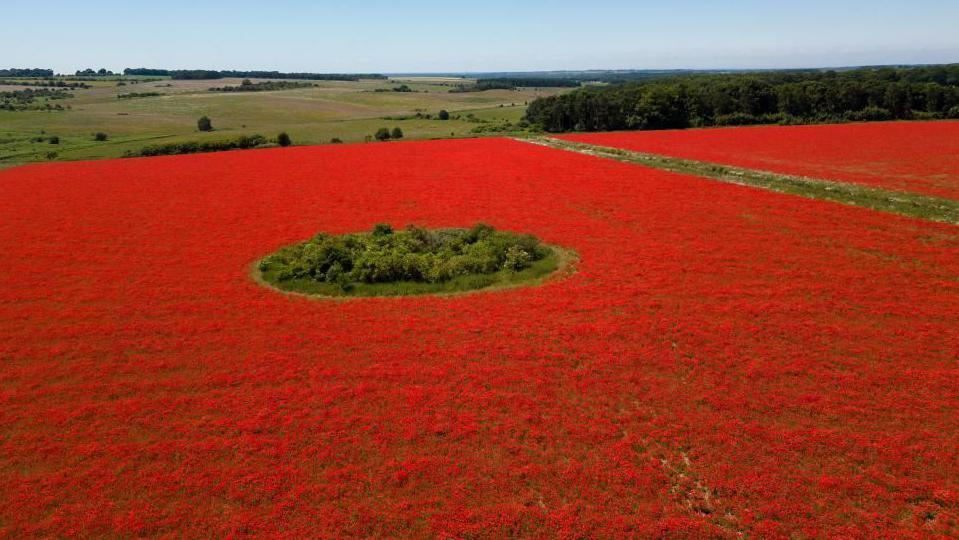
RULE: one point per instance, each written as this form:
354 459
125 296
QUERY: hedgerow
243 142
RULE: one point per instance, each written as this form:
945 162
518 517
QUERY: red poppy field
919 157
724 361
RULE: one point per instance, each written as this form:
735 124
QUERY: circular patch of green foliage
413 261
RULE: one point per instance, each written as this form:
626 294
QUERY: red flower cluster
726 360
919 157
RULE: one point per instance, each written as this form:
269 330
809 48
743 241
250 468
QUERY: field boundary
895 202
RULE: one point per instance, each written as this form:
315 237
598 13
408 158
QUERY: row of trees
51 83
26 72
265 86
508 83
102 72
755 98
243 142
135 95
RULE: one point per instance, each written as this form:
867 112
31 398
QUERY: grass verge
896 202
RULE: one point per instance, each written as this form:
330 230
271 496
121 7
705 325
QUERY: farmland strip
896 202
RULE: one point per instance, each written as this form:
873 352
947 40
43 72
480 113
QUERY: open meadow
724 362
347 110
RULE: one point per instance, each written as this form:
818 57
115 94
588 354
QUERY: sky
405 36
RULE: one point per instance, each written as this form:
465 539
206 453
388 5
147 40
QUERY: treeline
26 72
267 86
53 84
102 72
137 95
506 83
784 97
206 74
147 72
403 88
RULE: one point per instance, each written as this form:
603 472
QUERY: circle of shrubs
415 254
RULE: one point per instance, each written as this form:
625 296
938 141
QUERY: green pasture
349 111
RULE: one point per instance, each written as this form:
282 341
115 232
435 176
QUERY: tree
204 124
283 139
397 133
383 134
444 115
100 136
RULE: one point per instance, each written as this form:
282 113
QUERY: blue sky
494 35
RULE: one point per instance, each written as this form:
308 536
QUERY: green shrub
204 124
383 134
283 139
336 140
444 115
382 229
869 114
54 139
100 136
516 258
413 255
397 133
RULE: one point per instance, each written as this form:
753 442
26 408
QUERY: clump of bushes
869 114
137 95
243 142
413 255
204 124
385 134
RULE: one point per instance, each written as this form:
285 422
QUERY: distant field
916 157
349 111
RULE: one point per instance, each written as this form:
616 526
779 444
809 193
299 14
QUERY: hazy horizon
434 37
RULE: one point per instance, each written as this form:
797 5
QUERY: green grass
349 111
896 202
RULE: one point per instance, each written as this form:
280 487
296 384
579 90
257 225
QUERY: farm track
896 202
